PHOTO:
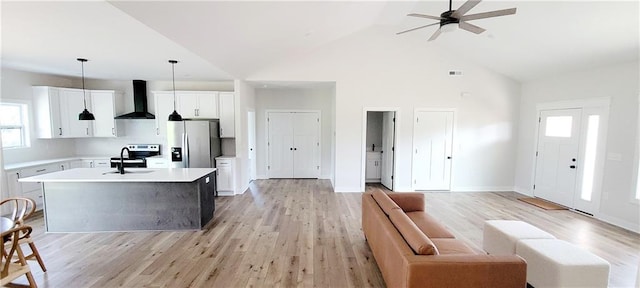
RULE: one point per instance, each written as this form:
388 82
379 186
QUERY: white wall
620 83
376 68
316 98
244 102
16 86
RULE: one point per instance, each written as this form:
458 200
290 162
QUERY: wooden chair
10 269
22 208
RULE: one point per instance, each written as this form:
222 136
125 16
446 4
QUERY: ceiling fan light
450 27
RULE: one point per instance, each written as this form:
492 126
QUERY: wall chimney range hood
139 102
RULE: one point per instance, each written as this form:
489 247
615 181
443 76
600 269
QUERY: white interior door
557 155
432 141
306 144
388 135
251 137
280 145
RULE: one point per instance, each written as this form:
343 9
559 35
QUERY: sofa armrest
408 202
466 271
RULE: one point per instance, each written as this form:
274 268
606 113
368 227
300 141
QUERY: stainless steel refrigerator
193 143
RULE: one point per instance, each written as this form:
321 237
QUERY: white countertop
50 161
135 175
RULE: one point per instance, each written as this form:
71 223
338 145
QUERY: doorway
569 156
379 151
432 149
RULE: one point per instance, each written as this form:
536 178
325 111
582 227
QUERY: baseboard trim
634 227
483 189
346 189
523 191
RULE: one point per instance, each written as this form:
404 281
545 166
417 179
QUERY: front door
432 141
557 155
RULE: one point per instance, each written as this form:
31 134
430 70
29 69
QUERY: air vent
455 73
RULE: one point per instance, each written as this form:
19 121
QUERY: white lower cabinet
159 162
373 168
226 176
90 163
29 190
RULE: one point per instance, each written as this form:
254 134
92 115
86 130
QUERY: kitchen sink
128 172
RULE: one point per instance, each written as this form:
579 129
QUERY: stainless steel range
137 155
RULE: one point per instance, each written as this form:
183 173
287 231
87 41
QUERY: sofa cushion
419 243
384 201
449 246
429 225
408 201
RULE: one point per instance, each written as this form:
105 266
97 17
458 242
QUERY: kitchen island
101 199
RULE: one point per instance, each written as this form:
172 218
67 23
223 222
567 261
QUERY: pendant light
174 116
85 115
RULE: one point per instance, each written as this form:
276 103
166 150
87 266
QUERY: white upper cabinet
71 105
197 104
106 106
56 113
164 107
57 110
227 115
46 106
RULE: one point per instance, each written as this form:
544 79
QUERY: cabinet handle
41 170
60 131
157 131
62 166
87 131
17 176
113 131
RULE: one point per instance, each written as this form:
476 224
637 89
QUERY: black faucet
121 168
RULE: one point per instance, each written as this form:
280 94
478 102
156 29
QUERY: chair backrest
21 208
9 247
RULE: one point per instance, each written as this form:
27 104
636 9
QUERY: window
590 157
558 126
13 125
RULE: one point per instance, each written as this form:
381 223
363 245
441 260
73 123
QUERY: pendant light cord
84 93
450 4
173 78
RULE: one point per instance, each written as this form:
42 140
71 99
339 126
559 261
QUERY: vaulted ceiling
221 40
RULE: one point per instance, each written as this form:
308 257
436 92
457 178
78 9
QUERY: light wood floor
295 233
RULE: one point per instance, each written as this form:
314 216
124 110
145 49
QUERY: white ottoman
500 236
557 263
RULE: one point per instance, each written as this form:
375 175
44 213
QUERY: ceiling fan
450 20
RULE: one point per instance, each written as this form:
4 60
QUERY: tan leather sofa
412 249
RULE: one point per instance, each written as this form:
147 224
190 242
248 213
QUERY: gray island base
124 203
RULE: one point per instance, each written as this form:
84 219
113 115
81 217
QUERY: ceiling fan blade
425 16
465 8
435 35
488 14
412 29
470 27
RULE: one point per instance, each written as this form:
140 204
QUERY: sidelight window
590 157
